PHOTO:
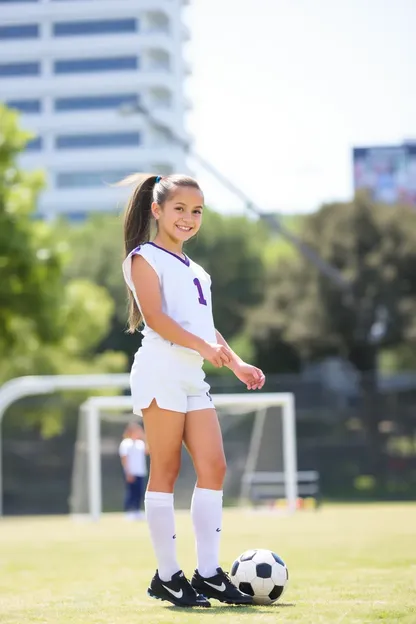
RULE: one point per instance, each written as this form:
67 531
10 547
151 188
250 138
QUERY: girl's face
135 433
181 215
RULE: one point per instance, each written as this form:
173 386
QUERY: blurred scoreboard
388 173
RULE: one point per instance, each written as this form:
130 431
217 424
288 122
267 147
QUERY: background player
132 451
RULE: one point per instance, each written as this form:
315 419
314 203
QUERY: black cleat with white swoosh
220 588
178 591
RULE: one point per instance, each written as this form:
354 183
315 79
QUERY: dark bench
261 486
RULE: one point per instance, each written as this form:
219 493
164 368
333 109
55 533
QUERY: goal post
247 422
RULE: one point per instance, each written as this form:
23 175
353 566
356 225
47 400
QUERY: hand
216 354
251 376
129 477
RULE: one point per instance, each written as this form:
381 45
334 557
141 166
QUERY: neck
167 243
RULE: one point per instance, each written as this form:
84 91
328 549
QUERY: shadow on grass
232 608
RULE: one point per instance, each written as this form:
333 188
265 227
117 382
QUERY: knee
212 474
165 472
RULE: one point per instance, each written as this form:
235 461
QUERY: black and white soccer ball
261 574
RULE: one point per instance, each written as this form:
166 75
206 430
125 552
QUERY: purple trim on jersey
185 260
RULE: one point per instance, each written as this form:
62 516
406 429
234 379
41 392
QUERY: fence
332 436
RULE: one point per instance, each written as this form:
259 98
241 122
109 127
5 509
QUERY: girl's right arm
147 287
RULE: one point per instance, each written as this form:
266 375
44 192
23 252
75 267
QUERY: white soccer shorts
171 375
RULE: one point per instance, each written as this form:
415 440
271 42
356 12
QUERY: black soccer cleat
178 591
220 588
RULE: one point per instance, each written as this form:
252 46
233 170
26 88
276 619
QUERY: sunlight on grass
354 564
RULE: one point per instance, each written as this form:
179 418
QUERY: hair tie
158 179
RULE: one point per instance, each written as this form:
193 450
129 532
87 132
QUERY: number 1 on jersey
201 298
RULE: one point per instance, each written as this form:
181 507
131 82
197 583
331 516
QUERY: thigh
203 438
164 431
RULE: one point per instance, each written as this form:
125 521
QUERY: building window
19 31
91 141
34 145
89 179
8 70
96 27
25 106
123 63
95 102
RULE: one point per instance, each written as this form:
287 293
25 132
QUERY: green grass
347 563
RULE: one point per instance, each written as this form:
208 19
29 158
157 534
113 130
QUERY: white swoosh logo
177 594
218 587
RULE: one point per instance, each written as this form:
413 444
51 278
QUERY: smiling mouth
184 228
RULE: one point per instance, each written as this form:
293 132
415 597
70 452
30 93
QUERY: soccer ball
261 574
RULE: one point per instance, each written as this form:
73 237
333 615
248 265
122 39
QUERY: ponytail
138 215
137 221
138 218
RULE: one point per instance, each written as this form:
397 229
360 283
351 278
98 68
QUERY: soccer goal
259 433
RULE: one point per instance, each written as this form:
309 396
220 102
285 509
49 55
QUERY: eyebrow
183 204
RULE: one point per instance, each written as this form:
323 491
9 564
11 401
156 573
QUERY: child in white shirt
133 451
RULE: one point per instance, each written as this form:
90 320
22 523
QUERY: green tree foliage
47 326
277 248
30 261
96 253
374 246
398 359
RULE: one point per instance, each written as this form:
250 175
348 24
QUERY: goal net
259 441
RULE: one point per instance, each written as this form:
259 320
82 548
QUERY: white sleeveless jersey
185 288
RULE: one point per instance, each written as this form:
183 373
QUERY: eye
179 208
198 211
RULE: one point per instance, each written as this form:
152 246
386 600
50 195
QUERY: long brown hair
138 218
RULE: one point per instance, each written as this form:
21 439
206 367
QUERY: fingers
225 354
257 380
222 357
262 380
218 360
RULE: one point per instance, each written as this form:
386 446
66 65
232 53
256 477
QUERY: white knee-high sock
161 519
206 511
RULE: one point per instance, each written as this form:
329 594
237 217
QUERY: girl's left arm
235 359
251 376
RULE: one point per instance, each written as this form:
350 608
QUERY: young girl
171 295
132 453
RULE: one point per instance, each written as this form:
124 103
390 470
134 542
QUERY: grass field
349 564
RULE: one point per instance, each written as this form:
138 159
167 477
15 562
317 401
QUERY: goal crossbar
92 408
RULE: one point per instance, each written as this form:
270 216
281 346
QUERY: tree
46 326
30 261
375 248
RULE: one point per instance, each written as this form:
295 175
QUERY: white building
70 67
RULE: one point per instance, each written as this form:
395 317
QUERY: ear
155 210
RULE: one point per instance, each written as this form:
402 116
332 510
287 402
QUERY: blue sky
282 89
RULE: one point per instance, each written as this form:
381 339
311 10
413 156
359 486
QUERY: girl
132 453
171 295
